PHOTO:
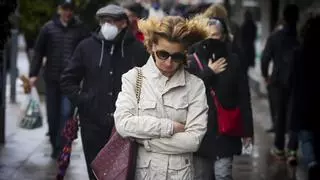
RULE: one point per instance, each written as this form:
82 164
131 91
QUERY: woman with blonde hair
170 119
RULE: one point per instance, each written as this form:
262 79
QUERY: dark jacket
232 90
57 43
248 37
305 91
278 47
100 64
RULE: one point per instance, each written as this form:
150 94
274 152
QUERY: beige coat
163 155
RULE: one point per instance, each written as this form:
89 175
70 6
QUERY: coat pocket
147 107
177 110
180 167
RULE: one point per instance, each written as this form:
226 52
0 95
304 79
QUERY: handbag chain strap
138 84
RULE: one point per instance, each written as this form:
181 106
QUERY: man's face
66 14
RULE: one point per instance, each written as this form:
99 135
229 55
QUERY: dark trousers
282 106
59 110
272 98
94 138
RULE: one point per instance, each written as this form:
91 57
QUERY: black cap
67 4
135 8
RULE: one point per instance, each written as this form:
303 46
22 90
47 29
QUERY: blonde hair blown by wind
216 10
175 29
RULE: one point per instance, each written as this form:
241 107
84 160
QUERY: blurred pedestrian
279 49
306 95
248 36
56 41
99 62
156 10
135 12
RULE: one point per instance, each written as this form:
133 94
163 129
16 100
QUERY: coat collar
152 73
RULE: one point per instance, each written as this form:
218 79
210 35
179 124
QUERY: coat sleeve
128 123
195 127
39 51
267 55
72 76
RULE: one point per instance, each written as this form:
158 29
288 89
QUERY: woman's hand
177 127
217 66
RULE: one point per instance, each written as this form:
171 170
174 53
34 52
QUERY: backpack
286 59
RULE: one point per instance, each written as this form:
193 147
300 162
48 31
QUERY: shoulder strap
138 84
198 61
212 92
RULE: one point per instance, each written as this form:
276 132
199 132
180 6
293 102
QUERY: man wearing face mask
56 41
99 62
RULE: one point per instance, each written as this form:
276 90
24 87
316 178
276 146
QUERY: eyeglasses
176 57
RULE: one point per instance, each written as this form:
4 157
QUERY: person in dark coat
56 41
306 95
248 37
279 48
135 12
99 62
224 74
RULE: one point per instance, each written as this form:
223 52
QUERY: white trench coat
162 155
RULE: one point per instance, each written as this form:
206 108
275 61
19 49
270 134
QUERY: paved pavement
26 154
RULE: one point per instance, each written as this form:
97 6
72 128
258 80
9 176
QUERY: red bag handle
198 61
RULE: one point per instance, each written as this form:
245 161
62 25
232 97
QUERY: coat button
110 93
111 72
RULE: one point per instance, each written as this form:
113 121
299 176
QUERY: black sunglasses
176 57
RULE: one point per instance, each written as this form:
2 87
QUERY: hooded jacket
100 64
56 42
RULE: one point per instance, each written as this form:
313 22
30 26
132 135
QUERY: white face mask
109 31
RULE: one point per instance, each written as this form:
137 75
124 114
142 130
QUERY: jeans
272 98
207 169
223 168
59 110
307 146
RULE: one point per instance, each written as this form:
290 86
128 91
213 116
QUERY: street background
26 153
